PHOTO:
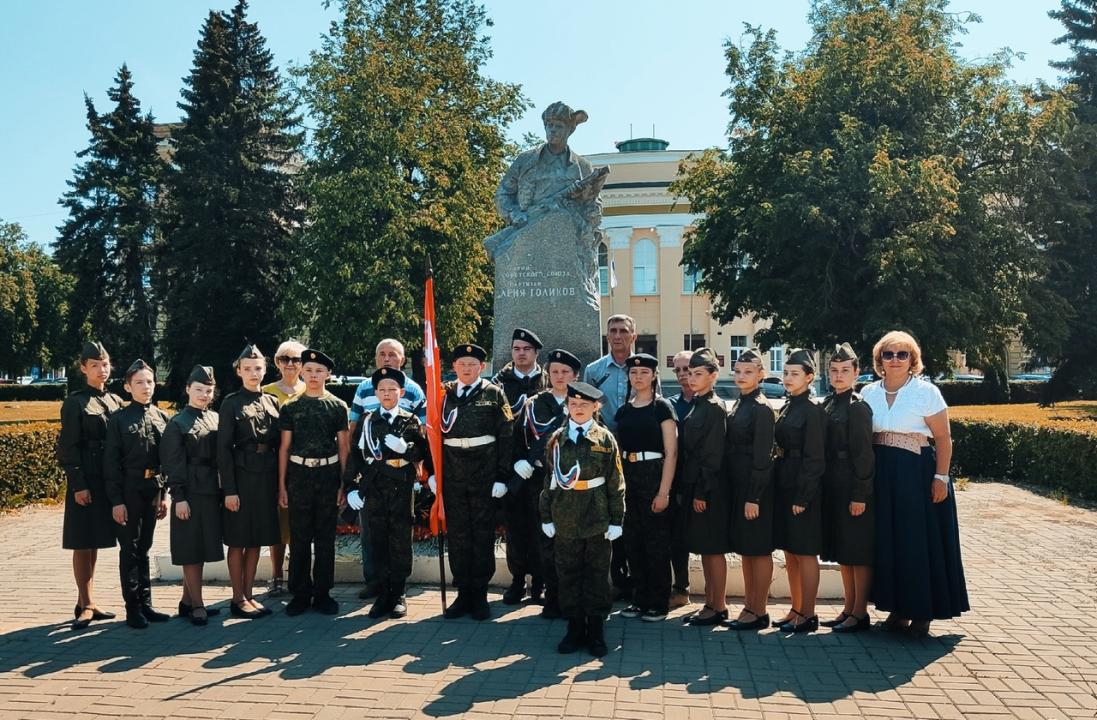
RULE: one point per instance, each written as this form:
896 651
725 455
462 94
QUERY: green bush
1052 457
29 472
27 393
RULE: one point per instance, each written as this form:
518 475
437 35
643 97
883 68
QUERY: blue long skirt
919 574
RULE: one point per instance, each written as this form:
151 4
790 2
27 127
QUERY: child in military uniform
381 476
311 459
131 470
583 507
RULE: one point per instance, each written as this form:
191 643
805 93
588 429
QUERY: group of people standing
604 483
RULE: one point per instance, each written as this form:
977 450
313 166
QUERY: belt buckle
633 457
312 462
778 452
150 473
393 463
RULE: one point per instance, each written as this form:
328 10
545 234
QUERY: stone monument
546 258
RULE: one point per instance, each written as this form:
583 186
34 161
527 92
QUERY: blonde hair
905 341
287 346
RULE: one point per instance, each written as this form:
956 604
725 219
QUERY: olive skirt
198 539
88 527
706 533
750 538
847 540
256 523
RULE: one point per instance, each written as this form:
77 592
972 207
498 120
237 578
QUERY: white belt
313 462
640 456
469 442
586 484
395 462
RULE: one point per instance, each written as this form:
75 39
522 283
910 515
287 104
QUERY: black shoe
79 624
536 588
862 625
893 624
399 608
184 611
262 610
836 621
460 607
632 611
136 619
807 625
371 590
782 621
596 637
919 629
575 637
153 615
716 618
514 594
480 609
380 607
199 620
239 611
96 613
325 604
654 615
760 622
297 605
551 610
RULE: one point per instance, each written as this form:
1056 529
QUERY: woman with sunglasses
919 576
287 358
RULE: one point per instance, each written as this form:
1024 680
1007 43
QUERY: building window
689 280
693 342
647 344
739 344
603 269
776 359
645 276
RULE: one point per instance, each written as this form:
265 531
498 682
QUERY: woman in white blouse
919 576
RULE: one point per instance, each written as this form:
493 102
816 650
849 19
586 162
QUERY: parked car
24 380
773 387
1031 377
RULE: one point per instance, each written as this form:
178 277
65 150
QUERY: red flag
435 395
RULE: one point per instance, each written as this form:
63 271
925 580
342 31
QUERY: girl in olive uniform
88 525
797 524
647 431
748 461
188 457
705 491
131 473
849 523
247 441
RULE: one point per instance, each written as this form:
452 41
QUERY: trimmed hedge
29 472
27 393
1054 457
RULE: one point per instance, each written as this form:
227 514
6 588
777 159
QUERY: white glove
417 487
524 469
498 490
396 444
549 529
354 499
613 533
432 484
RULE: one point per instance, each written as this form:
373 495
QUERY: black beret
585 391
642 360
804 358
250 352
93 351
843 353
137 366
315 356
470 350
704 357
751 355
560 355
201 374
386 373
527 336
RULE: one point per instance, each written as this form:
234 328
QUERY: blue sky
629 64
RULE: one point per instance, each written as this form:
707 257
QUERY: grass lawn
1079 415
41 411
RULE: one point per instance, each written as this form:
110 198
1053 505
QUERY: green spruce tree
231 211
105 242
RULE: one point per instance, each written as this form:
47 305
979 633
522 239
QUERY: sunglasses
287 360
900 355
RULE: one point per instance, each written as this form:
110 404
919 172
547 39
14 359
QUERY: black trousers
647 536
389 507
679 556
523 523
313 511
134 541
470 530
582 566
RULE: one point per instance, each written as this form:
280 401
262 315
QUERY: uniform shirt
84 417
132 445
520 387
750 432
246 419
913 403
584 513
275 389
361 464
483 411
640 429
414 401
188 454
315 423
849 442
701 447
612 379
801 429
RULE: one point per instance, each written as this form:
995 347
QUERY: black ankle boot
596 637
575 637
515 592
135 618
460 607
480 610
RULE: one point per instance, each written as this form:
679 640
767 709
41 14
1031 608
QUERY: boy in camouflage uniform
311 460
583 508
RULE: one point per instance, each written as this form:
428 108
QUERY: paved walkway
1026 650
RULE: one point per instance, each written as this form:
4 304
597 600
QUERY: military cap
93 351
843 353
704 357
201 374
527 336
560 355
585 391
137 366
470 350
642 360
753 355
804 358
250 352
387 373
316 356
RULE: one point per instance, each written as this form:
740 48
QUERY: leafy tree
408 150
33 303
874 181
231 213
106 239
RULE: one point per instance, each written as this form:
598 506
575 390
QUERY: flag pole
435 397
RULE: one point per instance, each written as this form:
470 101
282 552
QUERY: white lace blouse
915 401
